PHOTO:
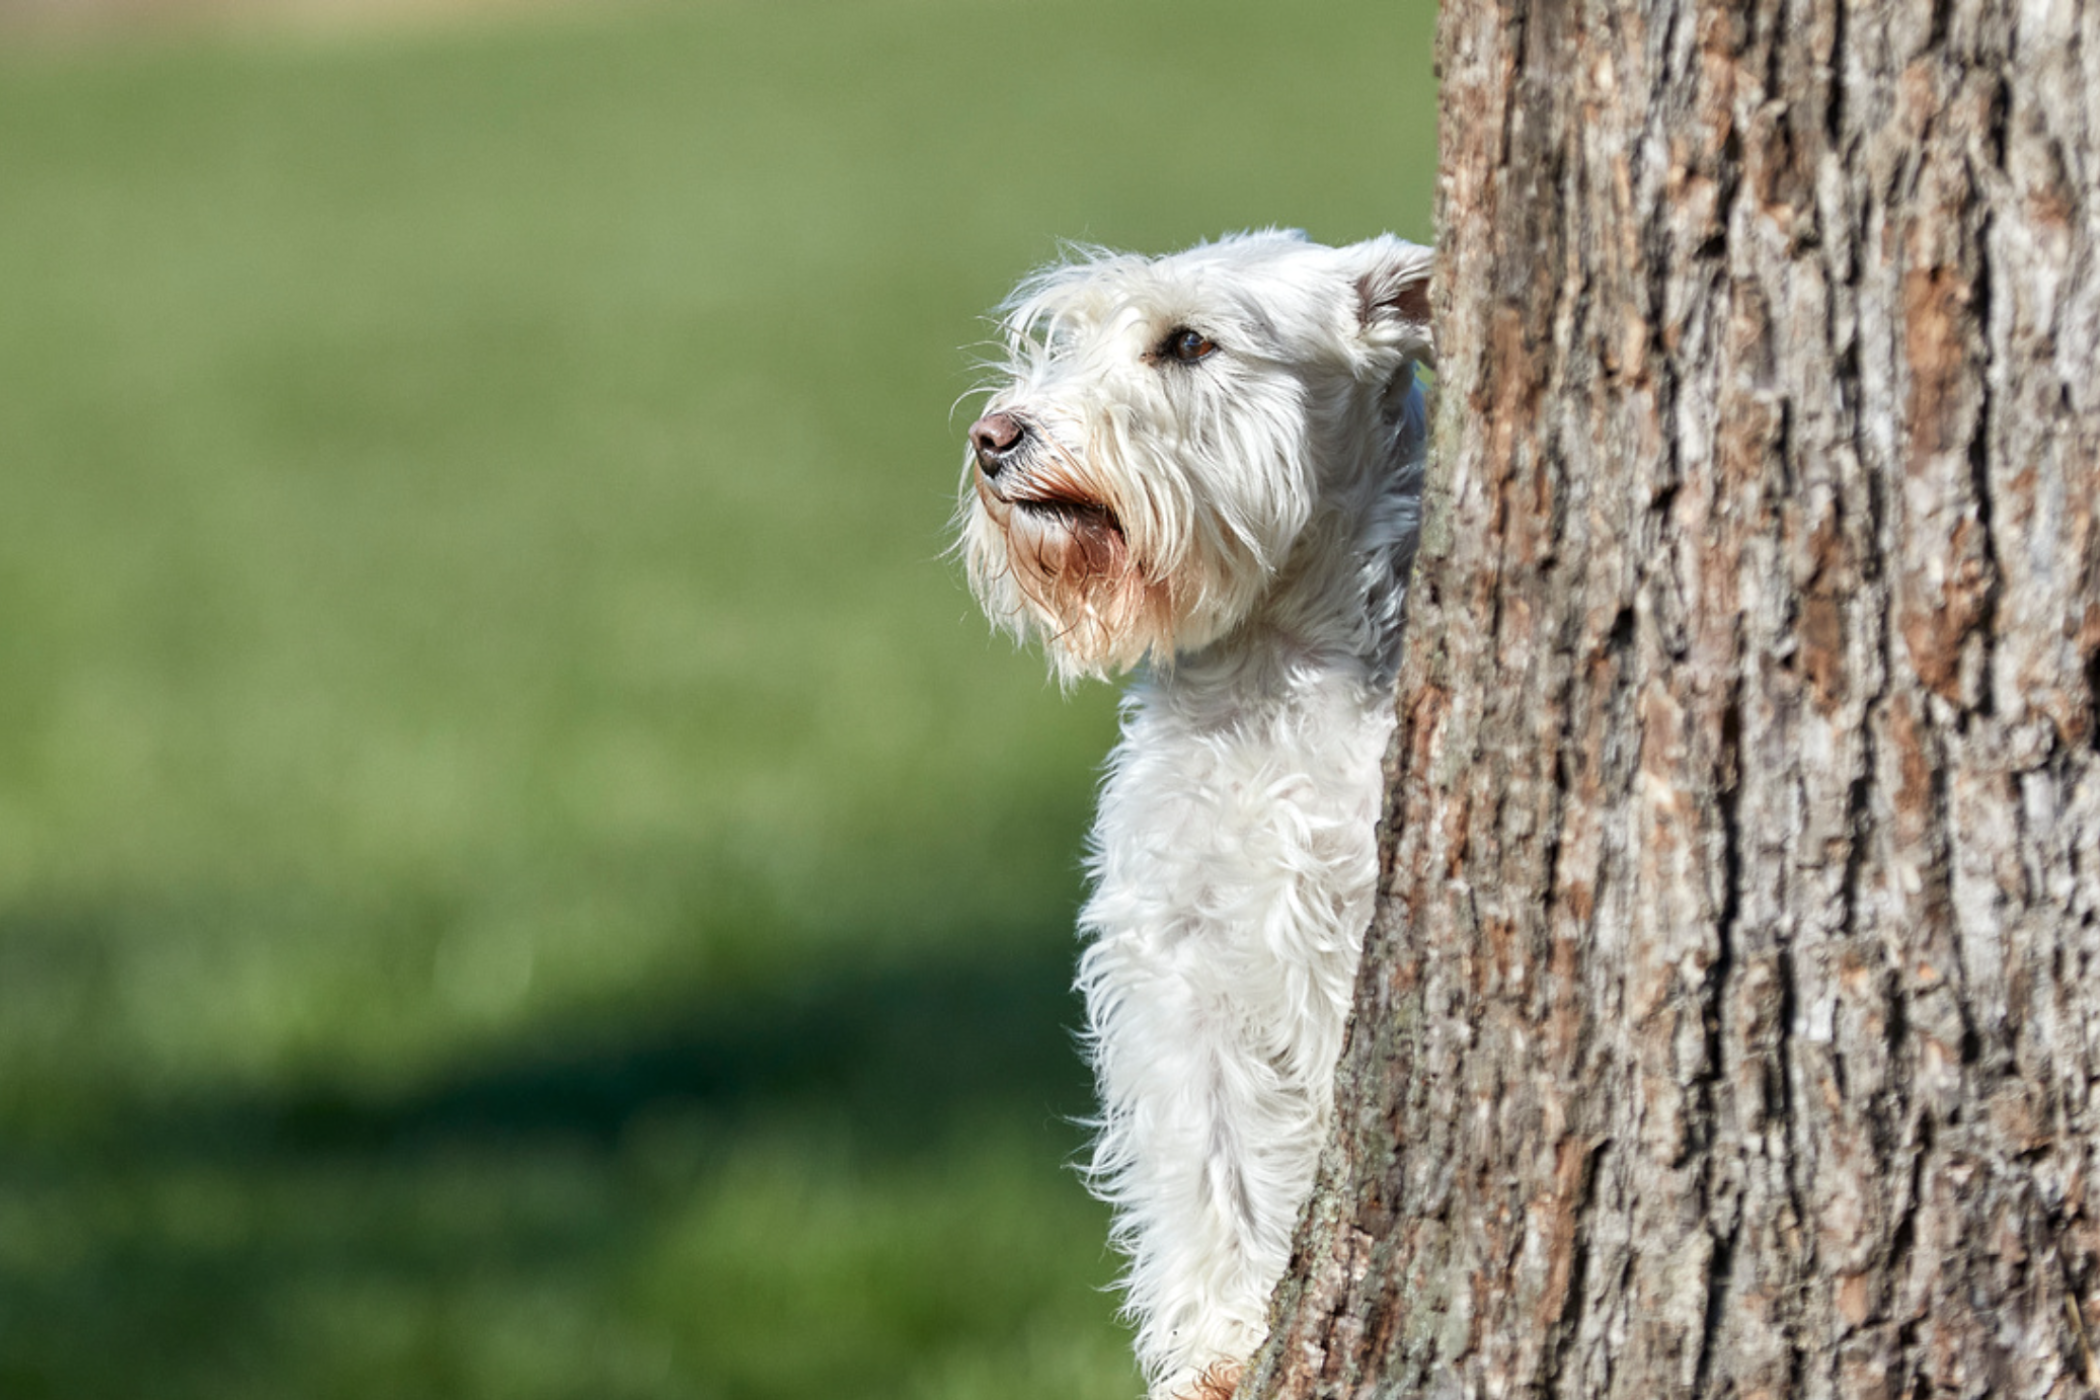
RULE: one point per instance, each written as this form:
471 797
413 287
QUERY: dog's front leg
1202 1152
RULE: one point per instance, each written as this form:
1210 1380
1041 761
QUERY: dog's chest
1254 837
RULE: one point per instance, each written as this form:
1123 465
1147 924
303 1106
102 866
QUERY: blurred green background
522 871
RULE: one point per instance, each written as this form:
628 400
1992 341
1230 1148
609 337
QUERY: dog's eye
1186 345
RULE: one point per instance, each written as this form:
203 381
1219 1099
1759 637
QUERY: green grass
521 872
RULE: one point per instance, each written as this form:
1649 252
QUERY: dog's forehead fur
1254 292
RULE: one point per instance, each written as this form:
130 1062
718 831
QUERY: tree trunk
1731 1021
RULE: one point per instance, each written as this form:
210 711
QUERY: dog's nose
996 437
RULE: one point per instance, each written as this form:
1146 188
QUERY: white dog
1210 463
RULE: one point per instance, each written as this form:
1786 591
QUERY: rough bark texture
1731 1024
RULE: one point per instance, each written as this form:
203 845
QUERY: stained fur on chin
1206 468
1070 563
1218 1382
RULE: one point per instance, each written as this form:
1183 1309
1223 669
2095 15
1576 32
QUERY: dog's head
1166 427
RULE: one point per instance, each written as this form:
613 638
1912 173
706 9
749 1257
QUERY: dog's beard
1069 561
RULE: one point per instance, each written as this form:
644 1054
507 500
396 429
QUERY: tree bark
1731 1021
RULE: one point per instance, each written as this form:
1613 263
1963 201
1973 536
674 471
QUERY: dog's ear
1392 293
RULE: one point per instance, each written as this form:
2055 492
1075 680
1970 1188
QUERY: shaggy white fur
1207 465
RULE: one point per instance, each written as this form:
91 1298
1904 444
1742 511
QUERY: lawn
522 873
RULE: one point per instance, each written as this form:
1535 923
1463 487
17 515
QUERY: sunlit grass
521 872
